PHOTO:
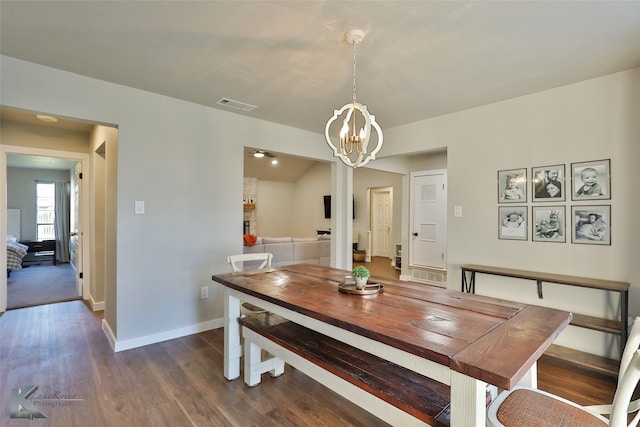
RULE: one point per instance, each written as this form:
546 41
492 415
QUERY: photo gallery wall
588 222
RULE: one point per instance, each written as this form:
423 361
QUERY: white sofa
293 250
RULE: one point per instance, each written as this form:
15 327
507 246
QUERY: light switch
139 207
457 211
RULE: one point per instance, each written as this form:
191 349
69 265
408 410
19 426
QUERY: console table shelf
614 327
585 360
597 324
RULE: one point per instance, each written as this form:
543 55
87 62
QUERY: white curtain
62 221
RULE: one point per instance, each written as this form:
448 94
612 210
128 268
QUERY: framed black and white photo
548 183
512 222
548 224
591 180
512 186
591 224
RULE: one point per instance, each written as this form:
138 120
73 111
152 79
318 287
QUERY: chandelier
354 143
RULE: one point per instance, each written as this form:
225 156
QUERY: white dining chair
237 264
525 406
235 260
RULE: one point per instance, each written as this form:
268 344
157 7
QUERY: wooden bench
586 360
393 393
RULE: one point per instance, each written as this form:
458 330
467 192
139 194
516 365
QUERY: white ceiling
288 168
39 162
419 59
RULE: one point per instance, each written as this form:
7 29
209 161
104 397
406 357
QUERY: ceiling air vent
236 104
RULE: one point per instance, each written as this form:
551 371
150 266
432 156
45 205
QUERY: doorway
46 276
41 284
93 146
381 221
428 227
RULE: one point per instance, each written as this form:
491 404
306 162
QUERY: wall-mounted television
327 207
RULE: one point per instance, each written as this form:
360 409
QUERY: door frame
83 159
77 230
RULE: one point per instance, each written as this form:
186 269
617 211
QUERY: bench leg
254 366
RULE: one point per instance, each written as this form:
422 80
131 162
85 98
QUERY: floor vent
226 102
427 276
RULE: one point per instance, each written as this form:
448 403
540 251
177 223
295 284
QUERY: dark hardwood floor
381 267
62 349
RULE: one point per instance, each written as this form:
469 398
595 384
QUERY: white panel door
428 225
381 220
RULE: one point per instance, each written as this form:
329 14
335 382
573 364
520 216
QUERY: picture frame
591 180
548 183
512 222
512 186
591 224
548 224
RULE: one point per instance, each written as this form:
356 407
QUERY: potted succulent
360 274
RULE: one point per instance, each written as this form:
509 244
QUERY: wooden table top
489 339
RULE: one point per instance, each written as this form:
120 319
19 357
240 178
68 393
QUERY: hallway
380 267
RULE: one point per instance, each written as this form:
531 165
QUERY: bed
15 252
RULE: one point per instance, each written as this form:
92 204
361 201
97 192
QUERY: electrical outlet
204 292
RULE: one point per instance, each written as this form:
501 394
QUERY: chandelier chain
354 72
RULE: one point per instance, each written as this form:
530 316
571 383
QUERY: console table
39 251
614 327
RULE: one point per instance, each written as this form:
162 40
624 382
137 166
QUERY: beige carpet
41 284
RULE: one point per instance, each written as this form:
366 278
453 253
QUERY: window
45 210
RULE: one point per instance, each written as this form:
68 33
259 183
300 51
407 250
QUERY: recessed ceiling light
274 162
48 119
258 154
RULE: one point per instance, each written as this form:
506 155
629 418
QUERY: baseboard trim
129 344
95 306
109 333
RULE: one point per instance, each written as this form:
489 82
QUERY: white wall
309 196
590 120
275 206
21 194
101 219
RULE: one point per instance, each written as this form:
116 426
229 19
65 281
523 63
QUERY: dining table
466 341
